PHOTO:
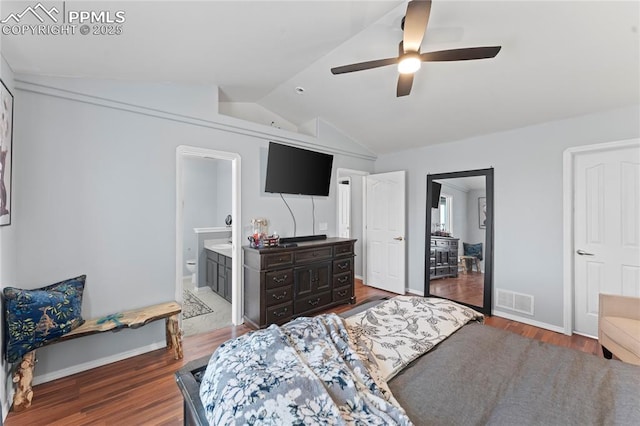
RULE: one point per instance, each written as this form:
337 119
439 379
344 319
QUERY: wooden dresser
281 283
443 257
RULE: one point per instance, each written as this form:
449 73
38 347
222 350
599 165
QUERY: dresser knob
281 313
275 296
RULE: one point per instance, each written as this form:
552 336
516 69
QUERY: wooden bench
467 263
23 376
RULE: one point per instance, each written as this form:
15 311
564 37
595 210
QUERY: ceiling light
409 63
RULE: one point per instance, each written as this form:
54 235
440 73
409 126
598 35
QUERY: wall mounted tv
293 170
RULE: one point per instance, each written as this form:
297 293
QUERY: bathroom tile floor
219 318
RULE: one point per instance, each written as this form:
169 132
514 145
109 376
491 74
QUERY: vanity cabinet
218 276
443 257
281 283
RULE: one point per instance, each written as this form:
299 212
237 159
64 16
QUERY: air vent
514 301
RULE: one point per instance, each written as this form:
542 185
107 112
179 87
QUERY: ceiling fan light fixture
409 64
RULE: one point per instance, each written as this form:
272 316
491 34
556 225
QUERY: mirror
459 237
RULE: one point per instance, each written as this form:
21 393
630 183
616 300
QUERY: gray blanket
481 375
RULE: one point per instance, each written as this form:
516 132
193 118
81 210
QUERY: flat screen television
435 197
293 170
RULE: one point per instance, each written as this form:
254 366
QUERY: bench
23 376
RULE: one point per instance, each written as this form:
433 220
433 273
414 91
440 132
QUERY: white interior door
385 231
344 209
606 230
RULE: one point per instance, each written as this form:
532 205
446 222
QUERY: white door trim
568 220
341 172
182 152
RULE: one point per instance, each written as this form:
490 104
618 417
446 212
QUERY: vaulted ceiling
559 59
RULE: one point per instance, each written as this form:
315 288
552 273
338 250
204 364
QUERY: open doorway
208 270
350 213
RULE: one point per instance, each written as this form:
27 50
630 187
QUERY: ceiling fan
414 25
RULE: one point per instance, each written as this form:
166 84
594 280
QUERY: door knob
398 238
584 253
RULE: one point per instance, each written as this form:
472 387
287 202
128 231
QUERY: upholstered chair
619 327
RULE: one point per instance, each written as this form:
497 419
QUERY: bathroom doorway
208 271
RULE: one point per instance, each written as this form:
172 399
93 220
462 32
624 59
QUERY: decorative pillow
473 250
35 317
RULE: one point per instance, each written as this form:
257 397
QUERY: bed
477 375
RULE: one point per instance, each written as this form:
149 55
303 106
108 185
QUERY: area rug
192 306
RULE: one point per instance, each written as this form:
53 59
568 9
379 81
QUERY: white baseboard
583 334
43 378
528 321
6 407
412 291
359 277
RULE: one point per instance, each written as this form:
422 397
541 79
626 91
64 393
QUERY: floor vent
515 301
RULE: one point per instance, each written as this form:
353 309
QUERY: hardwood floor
466 288
142 390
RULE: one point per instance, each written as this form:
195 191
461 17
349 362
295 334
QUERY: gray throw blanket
304 372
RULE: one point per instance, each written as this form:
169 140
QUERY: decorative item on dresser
282 283
444 257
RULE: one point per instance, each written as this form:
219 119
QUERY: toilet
191 267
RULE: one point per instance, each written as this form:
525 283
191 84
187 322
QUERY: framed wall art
482 212
6 147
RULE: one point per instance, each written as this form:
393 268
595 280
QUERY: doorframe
361 173
339 202
568 178
182 152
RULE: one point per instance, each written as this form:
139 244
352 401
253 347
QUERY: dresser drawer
279 278
342 294
343 279
278 295
304 256
277 259
343 265
343 249
311 303
279 314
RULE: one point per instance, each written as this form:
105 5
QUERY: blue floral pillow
35 317
473 250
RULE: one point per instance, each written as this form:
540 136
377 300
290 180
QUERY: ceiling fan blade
364 65
415 24
405 81
464 54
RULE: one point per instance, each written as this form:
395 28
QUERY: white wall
459 210
200 202
528 198
474 234
255 113
97 179
223 199
7 249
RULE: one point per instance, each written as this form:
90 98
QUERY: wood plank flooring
466 288
142 390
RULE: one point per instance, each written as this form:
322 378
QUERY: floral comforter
305 372
401 329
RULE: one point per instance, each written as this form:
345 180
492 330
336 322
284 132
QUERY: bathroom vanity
218 269
281 283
